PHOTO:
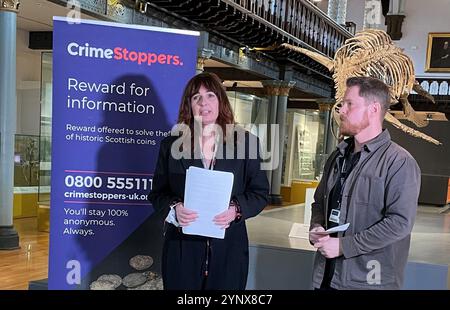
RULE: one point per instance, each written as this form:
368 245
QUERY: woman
197 262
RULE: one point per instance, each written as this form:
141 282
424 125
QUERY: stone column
397 7
203 53
9 239
325 106
272 88
337 10
285 87
203 56
394 19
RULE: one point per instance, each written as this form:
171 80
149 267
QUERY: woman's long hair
231 133
212 83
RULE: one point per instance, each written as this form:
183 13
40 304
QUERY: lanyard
345 171
343 179
213 159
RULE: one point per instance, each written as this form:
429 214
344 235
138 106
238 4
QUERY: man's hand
328 247
185 216
315 237
225 218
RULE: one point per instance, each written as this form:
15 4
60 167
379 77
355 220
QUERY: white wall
421 18
355 13
28 78
323 5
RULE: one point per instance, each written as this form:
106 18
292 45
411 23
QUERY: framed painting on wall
438 52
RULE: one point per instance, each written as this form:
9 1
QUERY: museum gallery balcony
261 24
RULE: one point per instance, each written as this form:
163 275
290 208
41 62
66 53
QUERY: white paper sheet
333 230
299 231
208 193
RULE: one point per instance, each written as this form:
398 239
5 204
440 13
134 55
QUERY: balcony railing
435 86
302 20
261 23
439 88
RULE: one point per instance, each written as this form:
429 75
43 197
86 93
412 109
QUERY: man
371 183
442 57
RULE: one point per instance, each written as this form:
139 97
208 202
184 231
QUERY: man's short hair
372 89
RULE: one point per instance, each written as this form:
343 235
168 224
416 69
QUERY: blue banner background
75 163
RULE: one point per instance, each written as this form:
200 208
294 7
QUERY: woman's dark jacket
184 256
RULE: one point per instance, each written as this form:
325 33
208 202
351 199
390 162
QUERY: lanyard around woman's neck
213 158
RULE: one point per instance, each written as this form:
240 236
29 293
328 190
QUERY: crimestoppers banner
116 92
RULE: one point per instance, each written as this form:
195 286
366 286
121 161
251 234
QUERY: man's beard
348 129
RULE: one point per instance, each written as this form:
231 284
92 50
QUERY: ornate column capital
9 5
325 105
272 87
202 56
285 87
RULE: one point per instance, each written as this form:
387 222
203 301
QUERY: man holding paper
208 180
371 184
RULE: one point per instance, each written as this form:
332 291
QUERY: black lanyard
345 172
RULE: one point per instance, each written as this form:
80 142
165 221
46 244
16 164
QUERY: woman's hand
225 218
185 216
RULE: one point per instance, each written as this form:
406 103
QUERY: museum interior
267 83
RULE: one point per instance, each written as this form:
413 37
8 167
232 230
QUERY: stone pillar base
9 238
276 200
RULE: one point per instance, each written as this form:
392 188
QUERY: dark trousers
327 276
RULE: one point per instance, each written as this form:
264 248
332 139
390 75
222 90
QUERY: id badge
334 216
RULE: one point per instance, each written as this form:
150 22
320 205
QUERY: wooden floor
28 263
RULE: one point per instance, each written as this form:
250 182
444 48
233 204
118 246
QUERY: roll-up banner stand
116 93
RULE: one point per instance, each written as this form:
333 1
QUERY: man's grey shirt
380 202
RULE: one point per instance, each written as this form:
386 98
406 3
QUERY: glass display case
26 161
250 111
26 176
45 137
304 146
